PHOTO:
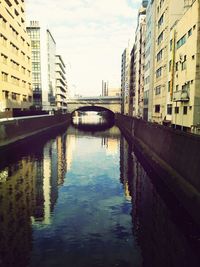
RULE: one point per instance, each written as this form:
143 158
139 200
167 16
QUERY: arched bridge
112 103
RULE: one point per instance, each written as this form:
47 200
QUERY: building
43 48
165 17
15 62
104 89
183 97
61 84
125 80
138 61
149 60
114 91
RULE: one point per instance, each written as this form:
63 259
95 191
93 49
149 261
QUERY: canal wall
14 130
174 155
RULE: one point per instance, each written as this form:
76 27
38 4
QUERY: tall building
183 97
104 88
149 60
15 53
125 80
167 13
138 53
43 48
61 84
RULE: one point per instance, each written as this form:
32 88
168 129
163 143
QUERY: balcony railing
181 96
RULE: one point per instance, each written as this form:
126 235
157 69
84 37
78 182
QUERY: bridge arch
92 108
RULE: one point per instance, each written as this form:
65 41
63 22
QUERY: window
160 38
161 20
177 86
159 72
14 96
5 94
190 32
176 110
185 110
159 55
169 86
4 76
170 44
169 109
170 65
157 108
3 21
3 40
176 66
181 41
157 90
183 64
193 57
4 58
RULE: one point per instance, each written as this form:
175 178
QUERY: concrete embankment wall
176 152
13 131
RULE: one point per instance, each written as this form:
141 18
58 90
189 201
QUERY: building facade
183 100
125 80
15 58
149 61
165 17
61 84
43 48
138 53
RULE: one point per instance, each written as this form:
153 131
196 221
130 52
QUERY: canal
82 197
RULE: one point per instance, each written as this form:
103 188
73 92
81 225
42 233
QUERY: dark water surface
82 199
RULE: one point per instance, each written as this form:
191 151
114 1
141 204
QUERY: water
82 198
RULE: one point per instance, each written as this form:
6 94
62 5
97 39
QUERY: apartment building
183 100
166 14
137 66
61 84
15 58
125 80
43 48
149 61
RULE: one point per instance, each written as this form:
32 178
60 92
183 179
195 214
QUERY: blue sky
90 36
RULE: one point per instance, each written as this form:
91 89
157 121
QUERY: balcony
181 96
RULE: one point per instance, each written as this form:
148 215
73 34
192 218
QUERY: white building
43 48
149 60
61 84
125 80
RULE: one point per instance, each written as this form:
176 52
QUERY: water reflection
93 121
167 235
85 199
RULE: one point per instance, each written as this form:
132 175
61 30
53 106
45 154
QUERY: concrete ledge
186 192
14 131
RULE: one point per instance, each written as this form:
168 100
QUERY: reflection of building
17 196
110 144
62 164
43 49
159 223
50 174
15 63
125 171
70 146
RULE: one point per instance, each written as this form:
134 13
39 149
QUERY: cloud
90 35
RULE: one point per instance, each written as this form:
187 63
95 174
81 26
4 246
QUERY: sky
90 36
